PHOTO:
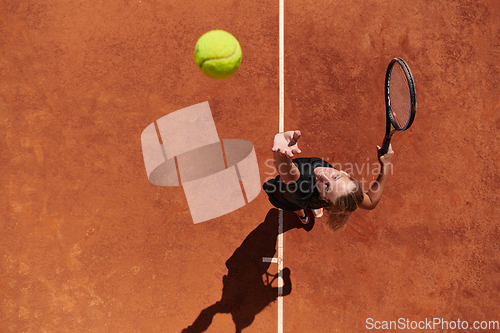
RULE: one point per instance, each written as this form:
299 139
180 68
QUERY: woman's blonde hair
340 210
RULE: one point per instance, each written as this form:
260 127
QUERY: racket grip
385 146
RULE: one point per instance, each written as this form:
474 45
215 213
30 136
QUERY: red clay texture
88 244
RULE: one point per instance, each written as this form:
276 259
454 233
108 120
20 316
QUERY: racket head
400 96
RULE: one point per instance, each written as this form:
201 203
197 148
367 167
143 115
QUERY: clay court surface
89 245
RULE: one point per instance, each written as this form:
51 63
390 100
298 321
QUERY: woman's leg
302 214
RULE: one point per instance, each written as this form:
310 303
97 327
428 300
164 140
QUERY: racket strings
400 96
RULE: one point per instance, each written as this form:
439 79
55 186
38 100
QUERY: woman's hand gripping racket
400 100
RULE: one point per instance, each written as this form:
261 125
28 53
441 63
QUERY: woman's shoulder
308 164
319 162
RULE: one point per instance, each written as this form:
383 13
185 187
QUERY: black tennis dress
298 195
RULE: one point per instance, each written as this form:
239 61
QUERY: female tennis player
313 184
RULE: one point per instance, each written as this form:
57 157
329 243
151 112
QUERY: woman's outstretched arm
374 194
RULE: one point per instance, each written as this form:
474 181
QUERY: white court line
271 260
282 69
281 129
280 272
279 259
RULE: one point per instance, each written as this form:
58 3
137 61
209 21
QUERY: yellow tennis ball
217 54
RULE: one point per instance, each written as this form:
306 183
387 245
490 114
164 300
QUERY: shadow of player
245 292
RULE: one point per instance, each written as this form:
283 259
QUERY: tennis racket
400 99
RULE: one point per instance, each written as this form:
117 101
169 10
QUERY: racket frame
389 116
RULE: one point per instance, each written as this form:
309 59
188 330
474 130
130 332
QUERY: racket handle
385 146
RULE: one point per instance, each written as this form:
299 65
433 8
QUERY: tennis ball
217 54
